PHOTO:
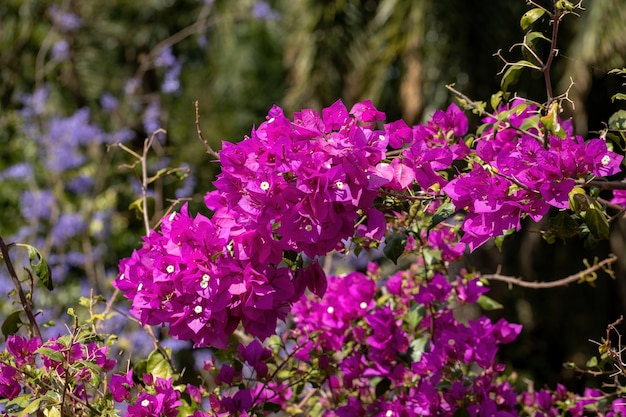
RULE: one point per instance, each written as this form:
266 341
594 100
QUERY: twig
473 105
18 287
550 284
556 19
606 185
208 148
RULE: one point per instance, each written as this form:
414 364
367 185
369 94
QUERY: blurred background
78 76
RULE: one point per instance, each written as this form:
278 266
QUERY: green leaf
496 99
394 246
618 96
271 407
137 207
32 407
620 71
443 212
618 120
530 123
563 226
415 316
532 36
461 412
597 222
531 17
511 75
12 323
158 365
382 387
52 354
592 362
418 347
39 266
488 303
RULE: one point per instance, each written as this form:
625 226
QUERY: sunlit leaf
512 73
39 266
531 17
158 365
488 303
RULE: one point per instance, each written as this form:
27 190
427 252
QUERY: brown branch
550 284
606 185
208 148
556 19
18 287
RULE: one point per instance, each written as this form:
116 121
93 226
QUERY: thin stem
475 106
550 284
606 185
208 148
20 292
558 14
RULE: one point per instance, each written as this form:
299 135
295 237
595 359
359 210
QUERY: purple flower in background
151 115
60 51
64 138
108 102
34 104
65 21
165 58
68 226
82 184
36 204
21 171
171 83
263 11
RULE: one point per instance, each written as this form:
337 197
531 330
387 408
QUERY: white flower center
122 276
172 216
204 284
339 185
330 310
265 186
197 309
308 227
389 413
169 269
606 160
381 137
363 305
271 120
145 403
140 286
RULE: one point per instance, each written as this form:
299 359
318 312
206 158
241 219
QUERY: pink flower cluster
523 174
303 187
74 363
396 343
292 187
